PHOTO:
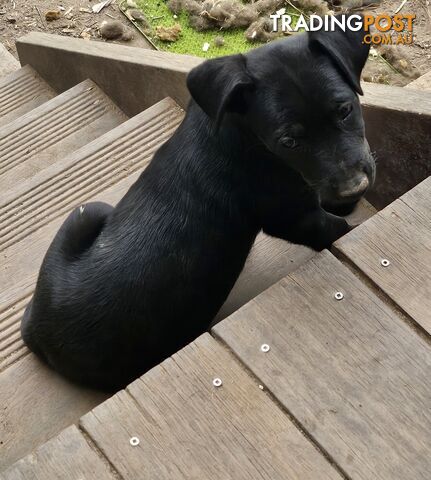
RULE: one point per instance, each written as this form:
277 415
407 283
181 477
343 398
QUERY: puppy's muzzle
355 188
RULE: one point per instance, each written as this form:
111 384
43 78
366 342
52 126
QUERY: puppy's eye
288 142
345 109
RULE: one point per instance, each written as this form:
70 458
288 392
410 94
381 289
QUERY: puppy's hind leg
82 227
27 332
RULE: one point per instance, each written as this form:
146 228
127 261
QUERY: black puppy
267 138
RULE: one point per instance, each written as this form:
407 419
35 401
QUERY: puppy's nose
355 188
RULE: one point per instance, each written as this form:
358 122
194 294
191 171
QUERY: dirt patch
399 65
76 19
419 53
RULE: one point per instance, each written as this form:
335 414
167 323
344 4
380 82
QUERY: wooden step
352 372
21 92
8 63
60 126
401 234
102 170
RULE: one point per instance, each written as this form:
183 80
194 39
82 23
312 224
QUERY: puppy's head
299 97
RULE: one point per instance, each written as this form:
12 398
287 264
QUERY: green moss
191 41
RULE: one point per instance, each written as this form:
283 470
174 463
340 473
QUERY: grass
191 41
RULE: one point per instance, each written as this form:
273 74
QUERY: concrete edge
135 78
64 61
388 97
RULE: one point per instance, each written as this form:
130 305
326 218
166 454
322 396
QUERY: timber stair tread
36 140
21 92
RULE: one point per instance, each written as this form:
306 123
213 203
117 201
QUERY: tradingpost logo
382 29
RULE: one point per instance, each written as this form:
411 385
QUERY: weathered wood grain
354 375
189 429
35 404
401 233
21 92
36 140
65 457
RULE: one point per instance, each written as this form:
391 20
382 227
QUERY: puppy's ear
347 49
218 86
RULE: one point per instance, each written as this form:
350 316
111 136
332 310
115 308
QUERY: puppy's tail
82 227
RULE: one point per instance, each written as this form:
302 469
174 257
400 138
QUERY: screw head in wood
217 382
265 348
134 441
384 262
339 296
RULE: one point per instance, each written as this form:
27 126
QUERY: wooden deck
344 391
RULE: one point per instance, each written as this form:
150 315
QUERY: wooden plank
189 429
35 404
66 457
354 375
400 233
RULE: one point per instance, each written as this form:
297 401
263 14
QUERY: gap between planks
322 451
93 445
381 294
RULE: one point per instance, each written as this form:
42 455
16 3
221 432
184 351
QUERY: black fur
264 143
